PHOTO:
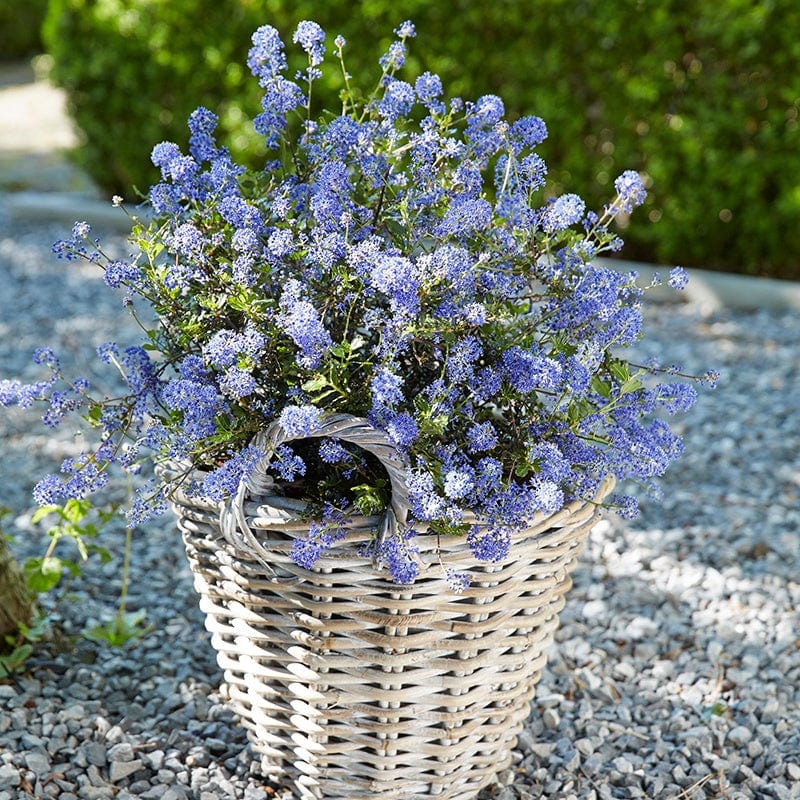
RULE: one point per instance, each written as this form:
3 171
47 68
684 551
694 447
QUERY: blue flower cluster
397 261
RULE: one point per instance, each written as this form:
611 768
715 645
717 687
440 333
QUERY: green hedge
702 97
20 28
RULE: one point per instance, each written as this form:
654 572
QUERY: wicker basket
351 686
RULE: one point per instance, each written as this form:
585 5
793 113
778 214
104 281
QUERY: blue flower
118 272
547 496
332 451
489 544
330 194
402 430
237 383
322 534
300 321
465 216
310 36
224 481
481 437
245 240
225 346
406 30
280 97
163 154
300 421
280 243
457 484
386 388
287 463
528 132
202 124
676 398
398 554
458 582
678 279
528 371
630 189
198 403
391 259
487 111
550 463
397 101
240 213
187 240
426 503
462 357
563 211
266 58
626 506
398 278
428 88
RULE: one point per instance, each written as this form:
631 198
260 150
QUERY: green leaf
442 528
369 498
620 370
102 552
13 661
603 388
315 384
42 574
578 410
631 385
44 511
36 630
341 350
76 510
119 631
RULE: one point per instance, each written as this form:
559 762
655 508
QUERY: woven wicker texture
351 686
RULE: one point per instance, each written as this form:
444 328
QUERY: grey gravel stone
9 777
89 792
38 763
740 735
121 752
123 769
551 718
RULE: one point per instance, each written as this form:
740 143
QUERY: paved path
35 136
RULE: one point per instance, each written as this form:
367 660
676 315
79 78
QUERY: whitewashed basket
351 686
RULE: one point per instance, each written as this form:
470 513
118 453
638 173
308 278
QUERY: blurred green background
701 96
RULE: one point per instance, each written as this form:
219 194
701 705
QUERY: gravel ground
676 672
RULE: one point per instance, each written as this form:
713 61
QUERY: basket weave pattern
351 686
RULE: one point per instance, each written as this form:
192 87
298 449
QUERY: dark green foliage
701 97
20 24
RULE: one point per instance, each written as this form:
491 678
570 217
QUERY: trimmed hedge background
701 96
20 28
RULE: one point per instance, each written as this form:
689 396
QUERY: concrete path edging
67 209
716 290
